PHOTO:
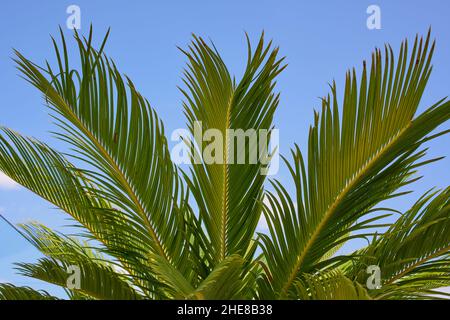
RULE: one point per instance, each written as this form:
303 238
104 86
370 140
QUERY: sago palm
149 230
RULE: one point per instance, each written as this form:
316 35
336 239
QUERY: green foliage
11 292
228 195
329 286
414 253
150 231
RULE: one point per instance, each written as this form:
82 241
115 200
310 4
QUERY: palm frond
224 282
353 163
226 191
12 292
113 128
96 280
329 286
173 285
47 173
414 254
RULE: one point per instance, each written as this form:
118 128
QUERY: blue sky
321 40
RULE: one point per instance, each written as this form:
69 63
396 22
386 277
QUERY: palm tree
149 230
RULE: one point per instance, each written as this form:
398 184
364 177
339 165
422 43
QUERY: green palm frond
413 255
47 173
98 277
353 163
224 282
97 281
11 292
113 128
57 245
226 191
329 286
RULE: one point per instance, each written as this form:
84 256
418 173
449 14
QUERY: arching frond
329 286
227 190
99 278
96 280
47 173
142 238
11 292
113 129
414 254
353 163
224 282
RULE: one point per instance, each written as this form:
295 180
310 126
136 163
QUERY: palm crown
148 230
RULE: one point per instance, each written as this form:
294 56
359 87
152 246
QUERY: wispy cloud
7 183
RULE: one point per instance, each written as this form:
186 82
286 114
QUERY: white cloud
7 183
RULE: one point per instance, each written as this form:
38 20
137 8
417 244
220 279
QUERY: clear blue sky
321 39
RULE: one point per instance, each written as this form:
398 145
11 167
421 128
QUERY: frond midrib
329 213
417 263
122 179
223 235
